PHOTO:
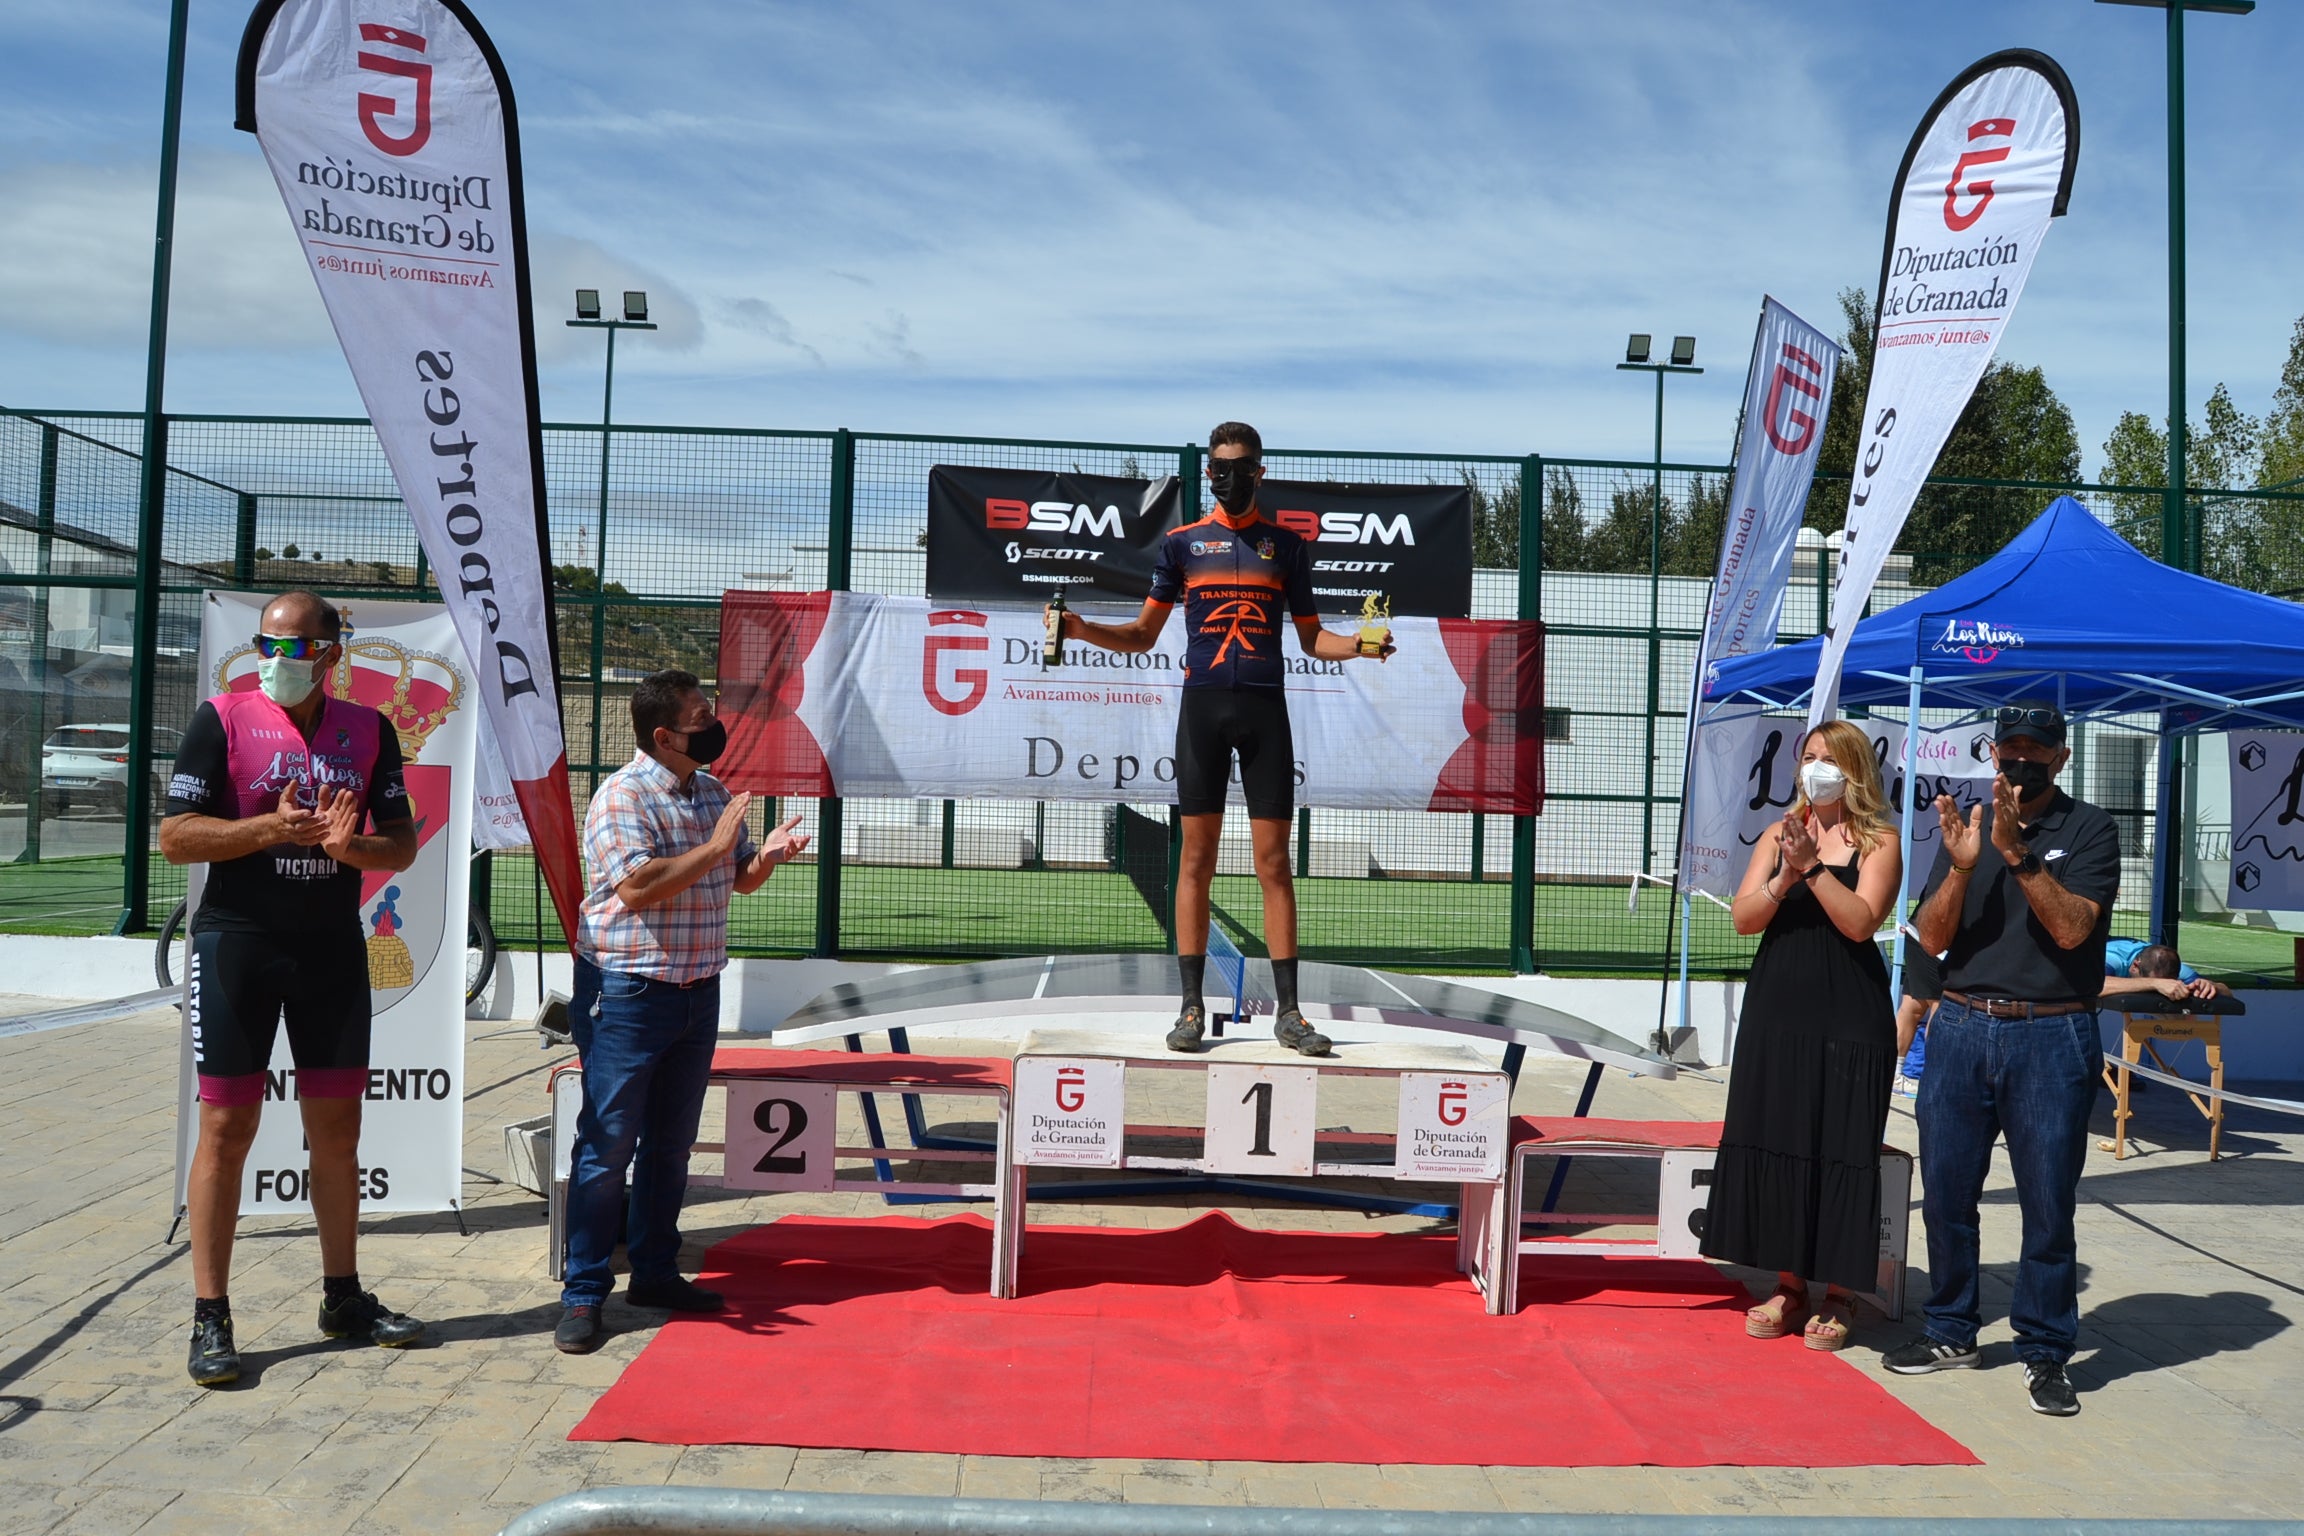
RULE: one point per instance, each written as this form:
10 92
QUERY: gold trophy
1375 625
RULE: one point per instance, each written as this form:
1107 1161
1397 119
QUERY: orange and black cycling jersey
1235 582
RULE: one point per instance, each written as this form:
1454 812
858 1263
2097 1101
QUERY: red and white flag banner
846 693
390 131
1988 168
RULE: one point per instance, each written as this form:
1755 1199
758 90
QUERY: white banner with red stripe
845 693
391 134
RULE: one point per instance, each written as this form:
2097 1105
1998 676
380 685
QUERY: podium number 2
795 1121
1261 1093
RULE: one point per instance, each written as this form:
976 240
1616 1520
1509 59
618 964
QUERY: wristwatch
2029 864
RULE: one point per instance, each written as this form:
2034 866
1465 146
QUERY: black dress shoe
579 1332
673 1293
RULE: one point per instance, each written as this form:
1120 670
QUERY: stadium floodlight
635 304
1683 351
587 303
1636 350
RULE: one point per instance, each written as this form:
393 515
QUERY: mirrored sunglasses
289 647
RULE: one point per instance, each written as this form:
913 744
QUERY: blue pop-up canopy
2069 611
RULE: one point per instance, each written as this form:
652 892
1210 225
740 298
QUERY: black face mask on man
2028 779
706 744
1234 481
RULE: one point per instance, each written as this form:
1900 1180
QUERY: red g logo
977 681
1071 1089
374 107
1802 424
1990 128
1452 1101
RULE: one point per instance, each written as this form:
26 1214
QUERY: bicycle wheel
169 950
479 954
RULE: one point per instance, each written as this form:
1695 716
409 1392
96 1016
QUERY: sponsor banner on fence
2267 821
1407 545
1021 535
1988 168
405 660
393 141
1746 775
847 693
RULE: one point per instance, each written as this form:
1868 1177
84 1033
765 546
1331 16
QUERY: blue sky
1359 225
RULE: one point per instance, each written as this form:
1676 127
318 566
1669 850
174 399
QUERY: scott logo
1453 1099
1356 567
1052 517
1071 1089
373 107
975 682
1349 527
1990 128
1803 425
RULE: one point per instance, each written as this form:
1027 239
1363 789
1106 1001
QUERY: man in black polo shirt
2022 901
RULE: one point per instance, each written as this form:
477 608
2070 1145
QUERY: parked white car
85 767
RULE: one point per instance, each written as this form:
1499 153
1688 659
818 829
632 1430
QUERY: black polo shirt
1923 973
2001 949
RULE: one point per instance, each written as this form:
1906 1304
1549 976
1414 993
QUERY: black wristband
1809 873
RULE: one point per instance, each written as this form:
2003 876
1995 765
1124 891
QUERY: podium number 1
1261 1093
795 1121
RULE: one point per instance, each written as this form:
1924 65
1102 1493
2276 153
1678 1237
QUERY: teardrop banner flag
1990 165
395 147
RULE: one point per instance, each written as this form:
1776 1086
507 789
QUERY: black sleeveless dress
1797 1186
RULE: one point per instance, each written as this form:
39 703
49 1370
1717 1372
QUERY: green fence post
37 651
840 535
1479 847
1304 842
948 820
244 541
1522 921
1175 864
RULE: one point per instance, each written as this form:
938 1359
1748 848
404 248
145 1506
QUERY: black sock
1195 970
335 1289
211 1308
1284 983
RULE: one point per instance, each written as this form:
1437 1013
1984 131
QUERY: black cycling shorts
1214 725
240 987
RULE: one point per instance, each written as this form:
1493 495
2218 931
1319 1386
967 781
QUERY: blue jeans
2034 1080
646 1064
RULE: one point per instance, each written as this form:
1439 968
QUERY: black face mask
706 744
2028 779
1234 481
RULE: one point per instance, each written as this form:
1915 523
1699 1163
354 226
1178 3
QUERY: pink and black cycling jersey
240 752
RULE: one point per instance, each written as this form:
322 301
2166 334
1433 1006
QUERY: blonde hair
1864 806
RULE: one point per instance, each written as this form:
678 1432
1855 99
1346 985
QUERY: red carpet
1216 1342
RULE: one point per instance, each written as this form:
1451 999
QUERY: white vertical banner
2267 822
1988 168
391 135
1746 776
402 659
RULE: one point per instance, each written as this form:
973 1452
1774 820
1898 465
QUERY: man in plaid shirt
664 845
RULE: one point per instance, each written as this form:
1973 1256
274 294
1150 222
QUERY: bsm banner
403 659
848 693
1746 774
1022 535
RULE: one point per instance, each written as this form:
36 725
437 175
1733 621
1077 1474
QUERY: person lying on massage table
2132 966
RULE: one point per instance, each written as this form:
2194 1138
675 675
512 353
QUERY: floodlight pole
1655 608
600 547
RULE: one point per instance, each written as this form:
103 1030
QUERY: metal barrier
740 1512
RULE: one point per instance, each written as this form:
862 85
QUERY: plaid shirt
640 813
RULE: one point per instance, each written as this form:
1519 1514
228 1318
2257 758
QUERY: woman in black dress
1797 1186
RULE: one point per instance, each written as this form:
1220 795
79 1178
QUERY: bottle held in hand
1052 649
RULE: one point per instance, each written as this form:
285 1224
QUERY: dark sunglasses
2047 718
290 647
1226 469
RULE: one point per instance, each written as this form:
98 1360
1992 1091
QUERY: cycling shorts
1213 726
241 985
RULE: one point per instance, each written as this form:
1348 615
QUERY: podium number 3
1262 1094
795 1121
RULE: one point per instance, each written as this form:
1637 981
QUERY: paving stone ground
2191 1373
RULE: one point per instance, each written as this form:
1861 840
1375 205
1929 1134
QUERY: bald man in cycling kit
1236 572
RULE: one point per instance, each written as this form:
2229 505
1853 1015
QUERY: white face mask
286 682
1823 783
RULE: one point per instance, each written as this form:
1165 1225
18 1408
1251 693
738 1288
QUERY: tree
2014 427
290 552
1495 524
2223 451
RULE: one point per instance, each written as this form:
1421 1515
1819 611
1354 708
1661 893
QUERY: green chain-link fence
644 543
